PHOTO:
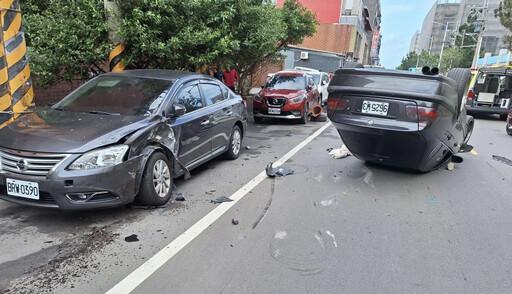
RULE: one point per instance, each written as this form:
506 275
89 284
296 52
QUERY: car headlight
298 99
257 98
105 157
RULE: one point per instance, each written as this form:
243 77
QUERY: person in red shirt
230 78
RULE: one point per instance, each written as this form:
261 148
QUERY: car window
311 81
123 95
212 93
287 82
189 97
325 78
226 92
316 78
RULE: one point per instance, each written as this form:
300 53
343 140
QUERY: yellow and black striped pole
16 91
115 59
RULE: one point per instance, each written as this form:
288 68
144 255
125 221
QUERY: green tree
65 39
424 59
504 13
187 35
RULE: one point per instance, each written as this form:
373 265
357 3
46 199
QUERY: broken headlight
99 158
298 99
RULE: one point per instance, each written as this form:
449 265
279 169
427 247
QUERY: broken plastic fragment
131 238
221 200
278 171
234 221
248 147
179 197
340 153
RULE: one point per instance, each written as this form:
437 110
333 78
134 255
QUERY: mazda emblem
22 164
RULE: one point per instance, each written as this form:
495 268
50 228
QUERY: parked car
400 118
509 123
119 137
287 95
322 80
490 91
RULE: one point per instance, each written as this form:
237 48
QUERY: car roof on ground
161 74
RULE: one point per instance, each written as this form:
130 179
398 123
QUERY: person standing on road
230 78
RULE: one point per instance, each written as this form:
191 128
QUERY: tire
462 77
258 119
157 181
509 131
235 143
503 117
353 65
304 118
471 125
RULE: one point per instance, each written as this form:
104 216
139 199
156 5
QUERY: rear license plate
372 107
23 189
274 111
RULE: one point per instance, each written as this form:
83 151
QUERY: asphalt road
334 226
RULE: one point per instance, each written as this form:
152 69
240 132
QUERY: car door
222 116
194 128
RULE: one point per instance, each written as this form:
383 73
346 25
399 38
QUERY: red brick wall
259 77
330 37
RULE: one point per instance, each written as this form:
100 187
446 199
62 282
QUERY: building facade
349 27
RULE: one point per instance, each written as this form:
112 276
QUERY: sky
400 20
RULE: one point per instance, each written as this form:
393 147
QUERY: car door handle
229 112
205 122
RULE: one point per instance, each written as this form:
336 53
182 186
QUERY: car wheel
353 65
258 119
235 143
509 130
157 180
468 134
304 118
462 77
503 117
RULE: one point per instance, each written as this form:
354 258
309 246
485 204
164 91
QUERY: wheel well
146 153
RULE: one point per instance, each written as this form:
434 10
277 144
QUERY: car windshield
286 82
316 77
121 95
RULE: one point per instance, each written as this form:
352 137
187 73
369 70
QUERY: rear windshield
388 83
118 95
283 82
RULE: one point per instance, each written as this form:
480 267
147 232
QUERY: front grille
276 102
44 197
29 163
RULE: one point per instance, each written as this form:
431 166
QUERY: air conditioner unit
304 55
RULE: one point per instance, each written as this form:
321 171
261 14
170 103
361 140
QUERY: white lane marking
139 275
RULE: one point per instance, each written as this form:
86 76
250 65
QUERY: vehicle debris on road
221 200
278 171
339 153
234 221
502 159
131 238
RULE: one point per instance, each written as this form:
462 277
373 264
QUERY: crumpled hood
48 130
274 93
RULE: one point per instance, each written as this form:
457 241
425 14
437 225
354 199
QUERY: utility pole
480 35
115 58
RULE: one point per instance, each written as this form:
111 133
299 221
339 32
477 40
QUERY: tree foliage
187 35
504 13
423 59
65 39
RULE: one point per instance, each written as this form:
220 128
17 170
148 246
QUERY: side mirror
175 110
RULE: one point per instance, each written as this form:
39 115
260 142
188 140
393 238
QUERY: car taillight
470 95
336 103
425 115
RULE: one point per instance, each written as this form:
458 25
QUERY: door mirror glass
175 110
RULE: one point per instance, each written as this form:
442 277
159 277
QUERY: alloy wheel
236 141
161 178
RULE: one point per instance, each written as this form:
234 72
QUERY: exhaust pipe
430 71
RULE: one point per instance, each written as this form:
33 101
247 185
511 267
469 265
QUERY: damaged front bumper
78 189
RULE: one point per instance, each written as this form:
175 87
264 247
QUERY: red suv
287 95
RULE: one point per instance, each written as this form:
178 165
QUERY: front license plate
372 107
23 189
274 111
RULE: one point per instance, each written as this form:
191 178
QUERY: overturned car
119 137
403 119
